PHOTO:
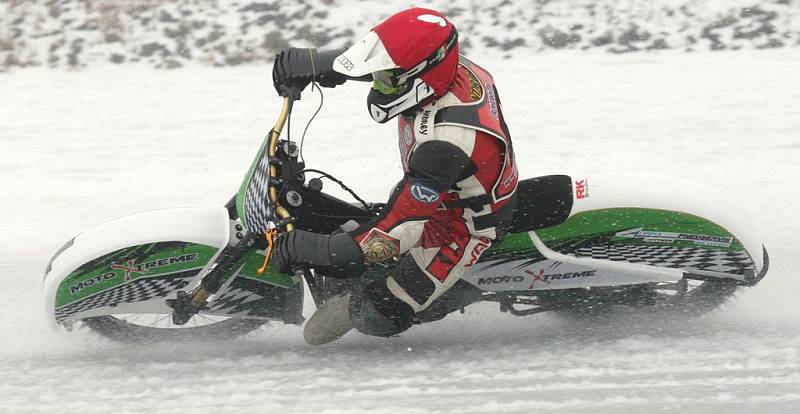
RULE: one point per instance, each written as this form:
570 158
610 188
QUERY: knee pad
375 311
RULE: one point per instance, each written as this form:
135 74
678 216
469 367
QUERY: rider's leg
375 311
370 307
388 307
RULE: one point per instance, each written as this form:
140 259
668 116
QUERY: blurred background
173 33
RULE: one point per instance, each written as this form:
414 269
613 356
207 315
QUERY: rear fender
660 221
523 262
617 229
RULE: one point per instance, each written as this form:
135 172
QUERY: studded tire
124 331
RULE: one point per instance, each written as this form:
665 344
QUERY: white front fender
206 226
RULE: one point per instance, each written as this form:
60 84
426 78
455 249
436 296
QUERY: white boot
330 322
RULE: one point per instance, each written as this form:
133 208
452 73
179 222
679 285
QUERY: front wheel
159 327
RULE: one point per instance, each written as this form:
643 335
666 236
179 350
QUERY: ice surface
80 148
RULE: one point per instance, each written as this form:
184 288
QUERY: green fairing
592 223
103 277
253 261
512 244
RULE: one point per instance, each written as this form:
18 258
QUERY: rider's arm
298 67
434 168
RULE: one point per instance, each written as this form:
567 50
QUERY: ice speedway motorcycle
576 243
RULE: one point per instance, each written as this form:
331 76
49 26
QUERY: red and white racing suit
459 186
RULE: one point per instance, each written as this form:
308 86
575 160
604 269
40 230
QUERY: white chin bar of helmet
369 55
418 92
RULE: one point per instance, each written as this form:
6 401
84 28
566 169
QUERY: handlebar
286 110
185 305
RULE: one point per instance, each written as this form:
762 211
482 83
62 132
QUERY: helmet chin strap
385 107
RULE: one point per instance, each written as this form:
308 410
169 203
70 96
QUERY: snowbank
172 33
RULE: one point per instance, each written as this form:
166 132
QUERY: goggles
386 82
393 81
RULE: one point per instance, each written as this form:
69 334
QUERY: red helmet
412 56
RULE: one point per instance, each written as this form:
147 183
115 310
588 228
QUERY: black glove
295 68
338 253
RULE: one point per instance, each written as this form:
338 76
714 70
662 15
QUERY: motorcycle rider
460 175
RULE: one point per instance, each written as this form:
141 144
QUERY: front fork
186 305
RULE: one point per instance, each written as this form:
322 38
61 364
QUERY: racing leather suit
457 192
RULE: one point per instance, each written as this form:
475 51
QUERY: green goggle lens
386 90
384 82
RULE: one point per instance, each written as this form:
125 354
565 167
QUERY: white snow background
80 148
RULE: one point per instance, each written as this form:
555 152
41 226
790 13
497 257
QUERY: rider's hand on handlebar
295 68
292 69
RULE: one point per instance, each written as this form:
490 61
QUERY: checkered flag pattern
257 208
686 258
234 301
134 291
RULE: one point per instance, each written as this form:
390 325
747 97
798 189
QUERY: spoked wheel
692 297
159 327
687 298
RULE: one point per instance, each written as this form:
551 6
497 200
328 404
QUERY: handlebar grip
290 91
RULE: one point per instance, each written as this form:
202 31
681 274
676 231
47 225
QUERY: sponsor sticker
440 54
408 135
344 61
91 282
503 275
432 18
405 138
127 270
537 277
581 189
130 268
475 89
424 193
541 276
423 122
492 99
379 246
496 280
483 244
670 237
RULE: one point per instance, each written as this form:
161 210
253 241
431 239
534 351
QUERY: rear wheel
692 297
159 327
686 298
